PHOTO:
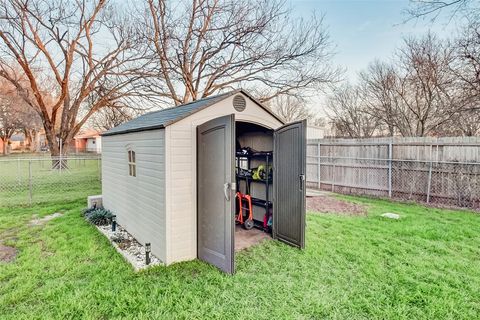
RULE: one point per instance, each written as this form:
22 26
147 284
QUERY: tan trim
168 182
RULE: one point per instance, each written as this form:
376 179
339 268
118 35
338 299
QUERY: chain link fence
449 183
29 180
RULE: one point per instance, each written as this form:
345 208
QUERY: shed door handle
302 182
226 191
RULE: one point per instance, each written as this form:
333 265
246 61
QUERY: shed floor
247 238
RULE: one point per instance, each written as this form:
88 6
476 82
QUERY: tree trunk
35 147
4 146
28 139
58 162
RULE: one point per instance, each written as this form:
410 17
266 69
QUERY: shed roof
165 117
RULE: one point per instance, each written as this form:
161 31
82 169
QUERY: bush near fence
24 181
433 170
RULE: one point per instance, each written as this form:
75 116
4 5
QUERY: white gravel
134 252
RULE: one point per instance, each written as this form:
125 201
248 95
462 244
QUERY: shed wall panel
138 202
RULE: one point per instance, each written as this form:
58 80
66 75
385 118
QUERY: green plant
99 217
88 211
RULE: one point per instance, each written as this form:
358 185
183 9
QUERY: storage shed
185 178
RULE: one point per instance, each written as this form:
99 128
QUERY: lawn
425 265
25 180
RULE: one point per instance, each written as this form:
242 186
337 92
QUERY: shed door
289 153
215 197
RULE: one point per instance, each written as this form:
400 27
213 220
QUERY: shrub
87 211
99 217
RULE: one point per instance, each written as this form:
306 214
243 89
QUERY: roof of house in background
17 137
165 117
88 133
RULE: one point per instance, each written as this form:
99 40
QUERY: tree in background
377 85
70 51
205 46
433 8
348 115
15 114
107 118
425 85
414 94
292 109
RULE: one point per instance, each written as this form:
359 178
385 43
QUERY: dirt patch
329 204
7 254
38 222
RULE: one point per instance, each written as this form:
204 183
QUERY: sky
363 30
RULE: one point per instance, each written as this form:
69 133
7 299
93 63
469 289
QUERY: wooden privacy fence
433 170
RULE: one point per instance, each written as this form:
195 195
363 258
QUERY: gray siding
138 202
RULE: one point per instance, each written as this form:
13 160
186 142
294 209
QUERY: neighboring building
88 141
17 142
172 176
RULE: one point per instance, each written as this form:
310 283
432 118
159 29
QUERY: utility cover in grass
391 215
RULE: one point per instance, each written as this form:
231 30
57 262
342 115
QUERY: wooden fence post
318 166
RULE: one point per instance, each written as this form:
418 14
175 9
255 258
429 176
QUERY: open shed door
215 197
289 154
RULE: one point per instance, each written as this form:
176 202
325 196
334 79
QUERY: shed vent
239 103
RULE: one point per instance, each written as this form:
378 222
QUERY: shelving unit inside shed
244 173
259 188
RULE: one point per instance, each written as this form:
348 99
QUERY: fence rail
45 179
441 171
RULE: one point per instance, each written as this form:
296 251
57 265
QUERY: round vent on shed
239 103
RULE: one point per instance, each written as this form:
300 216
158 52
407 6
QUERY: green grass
82 178
424 266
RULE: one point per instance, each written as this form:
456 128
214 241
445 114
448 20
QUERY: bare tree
378 86
348 115
466 66
416 94
69 51
290 108
30 124
465 123
13 112
205 46
107 118
433 8
425 85
8 121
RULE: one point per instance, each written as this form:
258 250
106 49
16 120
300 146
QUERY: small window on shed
132 166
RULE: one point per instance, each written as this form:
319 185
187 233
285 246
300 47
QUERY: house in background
17 142
88 141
